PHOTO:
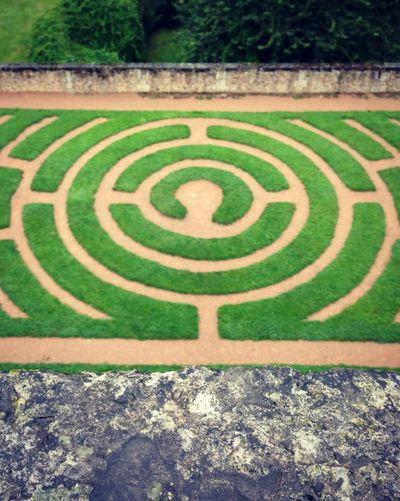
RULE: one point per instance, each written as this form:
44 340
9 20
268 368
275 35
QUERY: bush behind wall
291 31
89 31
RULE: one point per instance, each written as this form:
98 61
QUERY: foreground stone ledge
205 79
197 434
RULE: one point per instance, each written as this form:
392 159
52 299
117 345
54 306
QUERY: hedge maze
174 225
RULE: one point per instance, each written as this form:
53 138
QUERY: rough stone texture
241 434
236 79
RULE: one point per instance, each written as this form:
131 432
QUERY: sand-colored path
136 102
131 352
209 348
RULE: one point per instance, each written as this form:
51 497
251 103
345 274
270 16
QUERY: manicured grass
303 250
263 232
33 145
263 172
392 179
382 126
101 369
95 368
237 197
382 302
346 167
366 146
51 173
143 317
9 182
237 200
17 281
259 320
18 122
132 315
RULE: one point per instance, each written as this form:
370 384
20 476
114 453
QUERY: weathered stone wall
189 79
238 435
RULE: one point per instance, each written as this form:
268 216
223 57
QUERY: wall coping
204 67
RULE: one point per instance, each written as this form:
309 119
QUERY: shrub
50 43
89 31
288 30
113 25
82 54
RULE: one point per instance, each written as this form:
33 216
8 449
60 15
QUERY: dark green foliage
291 31
158 14
49 42
82 54
112 25
89 31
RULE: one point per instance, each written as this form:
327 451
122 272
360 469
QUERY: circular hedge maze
168 225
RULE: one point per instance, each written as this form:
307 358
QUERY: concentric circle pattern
156 226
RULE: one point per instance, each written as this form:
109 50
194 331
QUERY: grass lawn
100 369
166 46
16 21
134 314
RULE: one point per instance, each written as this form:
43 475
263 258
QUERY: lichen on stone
197 434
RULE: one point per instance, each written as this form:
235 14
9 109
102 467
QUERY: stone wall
192 79
237 435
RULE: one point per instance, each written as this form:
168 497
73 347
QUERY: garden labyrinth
194 237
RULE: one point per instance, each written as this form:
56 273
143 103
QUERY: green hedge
114 25
49 40
291 31
89 31
111 31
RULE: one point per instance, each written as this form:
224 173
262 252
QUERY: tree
291 31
